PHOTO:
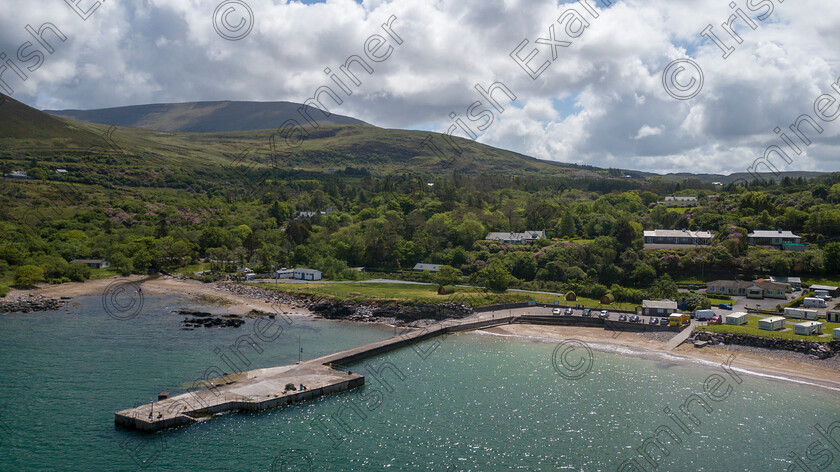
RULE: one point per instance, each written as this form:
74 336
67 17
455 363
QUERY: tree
29 275
629 234
643 274
780 265
447 275
280 211
664 287
831 253
495 277
567 227
251 244
78 272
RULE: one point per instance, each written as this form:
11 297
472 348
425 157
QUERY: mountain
21 122
202 117
132 153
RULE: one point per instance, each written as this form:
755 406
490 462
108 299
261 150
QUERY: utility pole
300 350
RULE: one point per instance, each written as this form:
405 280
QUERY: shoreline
753 361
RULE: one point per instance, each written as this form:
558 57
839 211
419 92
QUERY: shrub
29 275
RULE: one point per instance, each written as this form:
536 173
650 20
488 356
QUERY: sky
597 82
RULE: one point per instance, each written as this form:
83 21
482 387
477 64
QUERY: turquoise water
465 402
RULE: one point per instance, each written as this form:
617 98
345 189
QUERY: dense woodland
387 224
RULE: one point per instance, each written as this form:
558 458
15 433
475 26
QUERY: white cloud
600 103
646 131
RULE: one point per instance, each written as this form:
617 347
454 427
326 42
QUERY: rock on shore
30 303
816 350
370 312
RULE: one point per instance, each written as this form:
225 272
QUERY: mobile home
738 319
773 323
801 313
837 334
833 316
808 328
813 302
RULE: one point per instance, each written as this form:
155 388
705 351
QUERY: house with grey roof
777 238
516 238
658 307
307 274
424 267
680 202
92 263
667 238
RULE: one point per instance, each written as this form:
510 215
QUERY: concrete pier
266 388
262 389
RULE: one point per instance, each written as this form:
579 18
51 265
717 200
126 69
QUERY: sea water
471 402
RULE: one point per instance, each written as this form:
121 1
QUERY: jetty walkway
262 389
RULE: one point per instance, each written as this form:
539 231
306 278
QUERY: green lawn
820 281
413 293
751 328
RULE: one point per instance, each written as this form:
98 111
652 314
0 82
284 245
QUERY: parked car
555 311
725 306
664 321
586 312
653 320
717 319
569 312
622 317
635 319
604 315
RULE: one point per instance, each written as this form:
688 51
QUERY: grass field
416 294
820 281
751 328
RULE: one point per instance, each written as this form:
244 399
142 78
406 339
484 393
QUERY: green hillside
91 149
202 117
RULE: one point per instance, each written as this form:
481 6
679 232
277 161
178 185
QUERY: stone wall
818 350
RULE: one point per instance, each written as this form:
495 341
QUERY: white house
801 313
658 307
92 263
677 237
772 323
776 238
680 202
516 238
808 328
307 274
737 318
795 283
424 267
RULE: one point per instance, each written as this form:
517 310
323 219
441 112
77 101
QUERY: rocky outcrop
209 321
30 303
370 311
817 350
389 311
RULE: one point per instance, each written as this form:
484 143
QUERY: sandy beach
766 362
165 285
